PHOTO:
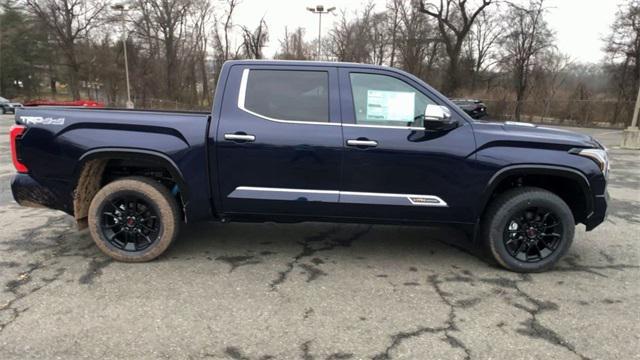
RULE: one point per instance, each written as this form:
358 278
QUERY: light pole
631 135
124 48
319 9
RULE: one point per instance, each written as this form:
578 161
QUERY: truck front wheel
528 229
133 219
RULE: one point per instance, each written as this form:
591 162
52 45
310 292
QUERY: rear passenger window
288 95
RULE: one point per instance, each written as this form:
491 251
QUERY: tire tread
514 195
163 199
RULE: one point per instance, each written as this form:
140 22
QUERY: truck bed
58 141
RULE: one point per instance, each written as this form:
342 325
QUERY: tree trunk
205 82
394 36
170 68
52 82
74 86
519 98
193 85
74 70
452 80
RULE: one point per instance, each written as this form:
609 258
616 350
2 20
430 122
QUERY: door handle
362 143
240 137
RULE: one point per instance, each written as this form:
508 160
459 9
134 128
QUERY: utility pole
319 9
631 135
124 48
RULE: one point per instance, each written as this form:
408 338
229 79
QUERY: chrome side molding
335 196
268 193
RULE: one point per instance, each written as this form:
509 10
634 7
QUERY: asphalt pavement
317 290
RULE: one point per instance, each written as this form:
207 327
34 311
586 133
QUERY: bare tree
202 13
454 24
363 37
293 46
350 39
254 41
341 39
393 26
379 37
551 76
526 35
69 21
223 29
176 49
623 55
222 32
168 19
417 49
484 37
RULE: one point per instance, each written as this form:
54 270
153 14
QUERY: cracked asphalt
317 291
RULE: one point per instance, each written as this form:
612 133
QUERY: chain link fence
587 113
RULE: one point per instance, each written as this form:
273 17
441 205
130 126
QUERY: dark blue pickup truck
298 141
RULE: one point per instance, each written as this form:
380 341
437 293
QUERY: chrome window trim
413 199
241 99
385 127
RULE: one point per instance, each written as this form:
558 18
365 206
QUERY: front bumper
599 214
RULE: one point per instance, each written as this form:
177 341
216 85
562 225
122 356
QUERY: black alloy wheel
533 235
528 229
134 219
130 223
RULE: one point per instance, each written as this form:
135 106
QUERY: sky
580 25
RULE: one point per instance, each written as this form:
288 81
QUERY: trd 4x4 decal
41 120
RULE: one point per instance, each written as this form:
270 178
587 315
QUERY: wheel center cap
532 232
131 222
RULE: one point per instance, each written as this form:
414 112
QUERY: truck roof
315 63
230 63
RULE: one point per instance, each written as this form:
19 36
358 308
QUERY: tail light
15 134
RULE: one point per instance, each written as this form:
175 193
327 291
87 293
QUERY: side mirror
437 117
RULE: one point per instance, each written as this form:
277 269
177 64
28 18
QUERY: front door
279 142
393 168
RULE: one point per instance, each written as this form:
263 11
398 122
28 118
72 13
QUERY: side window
385 100
288 95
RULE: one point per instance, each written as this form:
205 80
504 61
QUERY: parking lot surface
317 291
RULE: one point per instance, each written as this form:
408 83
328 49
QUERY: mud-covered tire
156 198
497 228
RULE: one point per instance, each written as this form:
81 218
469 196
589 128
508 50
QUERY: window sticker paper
390 105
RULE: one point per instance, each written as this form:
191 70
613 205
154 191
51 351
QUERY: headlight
600 157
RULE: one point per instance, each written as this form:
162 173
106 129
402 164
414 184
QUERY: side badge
41 120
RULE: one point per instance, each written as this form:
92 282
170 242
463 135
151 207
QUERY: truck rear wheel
133 219
528 229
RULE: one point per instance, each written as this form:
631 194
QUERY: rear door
393 168
279 141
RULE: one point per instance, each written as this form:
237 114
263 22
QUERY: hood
514 131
